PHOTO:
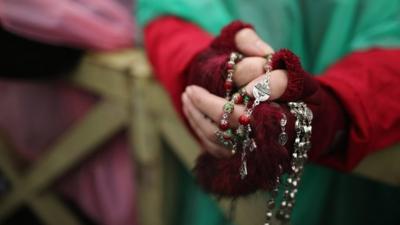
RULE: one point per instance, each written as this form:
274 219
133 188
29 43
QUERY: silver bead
309 114
253 145
283 121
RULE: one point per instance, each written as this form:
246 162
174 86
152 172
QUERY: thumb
249 43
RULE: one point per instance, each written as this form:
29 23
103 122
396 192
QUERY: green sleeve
379 25
358 24
211 15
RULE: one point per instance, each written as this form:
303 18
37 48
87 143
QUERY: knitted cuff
300 83
208 66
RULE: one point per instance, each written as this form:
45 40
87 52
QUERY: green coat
320 32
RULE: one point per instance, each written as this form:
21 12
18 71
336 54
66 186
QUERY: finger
212 105
249 43
203 124
210 146
248 69
204 129
278 84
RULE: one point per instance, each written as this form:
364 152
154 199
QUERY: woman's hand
204 110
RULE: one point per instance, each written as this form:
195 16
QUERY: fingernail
261 47
184 97
189 90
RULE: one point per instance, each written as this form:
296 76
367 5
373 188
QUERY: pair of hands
203 109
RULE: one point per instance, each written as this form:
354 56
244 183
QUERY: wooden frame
106 75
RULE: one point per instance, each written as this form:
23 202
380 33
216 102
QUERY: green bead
228 107
228 133
246 99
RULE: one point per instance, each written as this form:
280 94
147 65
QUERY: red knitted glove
269 160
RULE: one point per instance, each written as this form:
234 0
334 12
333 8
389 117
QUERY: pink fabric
89 24
34 115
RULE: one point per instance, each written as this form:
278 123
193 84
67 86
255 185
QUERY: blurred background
88 136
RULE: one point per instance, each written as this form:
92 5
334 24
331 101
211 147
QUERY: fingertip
257 48
249 43
184 97
263 48
189 90
197 92
196 88
279 81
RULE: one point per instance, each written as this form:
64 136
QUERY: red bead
224 125
244 119
238 99
229 66
228 85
